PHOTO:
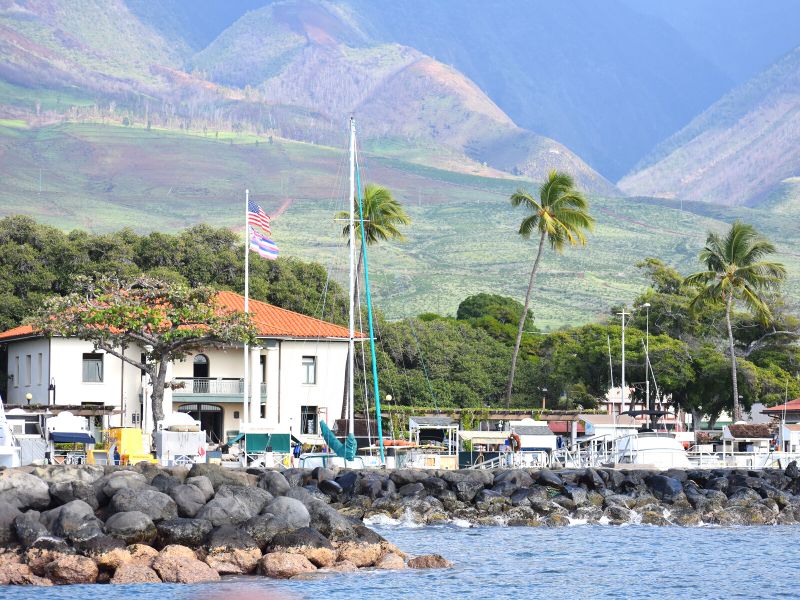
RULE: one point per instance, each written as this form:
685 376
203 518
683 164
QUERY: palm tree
382 217
735 272
559 215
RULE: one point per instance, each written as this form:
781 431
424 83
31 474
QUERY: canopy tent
72 437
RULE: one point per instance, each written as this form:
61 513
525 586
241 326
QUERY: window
92 367
308 420
310 369
39 365
16 372
28 365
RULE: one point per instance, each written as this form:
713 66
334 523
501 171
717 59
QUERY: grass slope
462 241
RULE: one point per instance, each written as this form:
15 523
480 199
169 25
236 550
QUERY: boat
9 451
649 449
347 450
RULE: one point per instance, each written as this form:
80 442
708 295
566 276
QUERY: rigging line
364 365
424 368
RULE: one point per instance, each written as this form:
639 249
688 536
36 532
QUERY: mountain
600 77
316 57
739 151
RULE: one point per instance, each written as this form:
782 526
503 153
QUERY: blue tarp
75 438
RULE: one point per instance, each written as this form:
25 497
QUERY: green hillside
462 239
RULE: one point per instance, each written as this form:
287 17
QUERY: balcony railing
210 386
220 386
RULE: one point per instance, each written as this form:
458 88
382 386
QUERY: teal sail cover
347 450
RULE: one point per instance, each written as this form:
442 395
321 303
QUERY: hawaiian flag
256 216
261 244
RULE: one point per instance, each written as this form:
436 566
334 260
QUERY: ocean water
589 561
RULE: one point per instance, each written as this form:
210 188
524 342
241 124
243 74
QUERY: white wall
228 362
25 382
326 392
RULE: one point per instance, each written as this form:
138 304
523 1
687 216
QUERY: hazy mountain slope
317 59
599 77
738 150
93 43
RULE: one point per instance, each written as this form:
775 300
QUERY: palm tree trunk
525 308
736 409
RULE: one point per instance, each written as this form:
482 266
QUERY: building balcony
219 389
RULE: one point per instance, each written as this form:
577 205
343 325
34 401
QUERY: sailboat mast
352 245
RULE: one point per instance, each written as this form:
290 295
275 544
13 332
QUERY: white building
297 374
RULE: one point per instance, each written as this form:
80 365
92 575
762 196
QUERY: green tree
167 322
383 216
559 215
735 272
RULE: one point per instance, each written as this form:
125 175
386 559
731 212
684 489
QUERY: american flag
256 216
263 245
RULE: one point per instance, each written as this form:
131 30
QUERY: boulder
550 479
273 482
792 471
142 554
412 489
328 521
175 569
618 514
74 520
577 494
293 512
188 498
370 487
231 551
360 554
429 561
342 567
23 491
132 527
156 505
60 473
114 559
225 511
164 482
131 573
204 484
98 546
307 542
391 561
517 477
38 558
64 492
466 490
329 487
347 481
27 526
218 475
321 474
667 489
296 477
254 498
9 514
283 565
110 484
19 574
188 532
262 528
177 551
66 570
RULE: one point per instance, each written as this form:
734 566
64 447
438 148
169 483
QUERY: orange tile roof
792 405
22 330
272 321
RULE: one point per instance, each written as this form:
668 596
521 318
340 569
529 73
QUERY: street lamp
28 398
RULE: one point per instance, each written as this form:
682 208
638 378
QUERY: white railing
535 459
210 386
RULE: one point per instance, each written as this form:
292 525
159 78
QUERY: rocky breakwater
557 498
147 524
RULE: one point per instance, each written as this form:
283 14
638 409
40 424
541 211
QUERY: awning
74 438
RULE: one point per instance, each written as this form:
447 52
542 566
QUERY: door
211 419
200 374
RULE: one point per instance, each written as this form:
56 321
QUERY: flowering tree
166 321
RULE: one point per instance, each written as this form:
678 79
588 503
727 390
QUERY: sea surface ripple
527 562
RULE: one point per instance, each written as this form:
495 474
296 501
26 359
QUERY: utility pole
623 314
647 364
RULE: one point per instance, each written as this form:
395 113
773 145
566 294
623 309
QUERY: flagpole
351 330
245 403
